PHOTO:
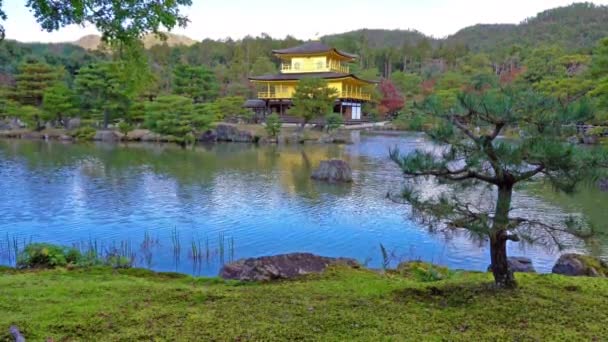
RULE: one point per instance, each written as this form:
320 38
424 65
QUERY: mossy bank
102 304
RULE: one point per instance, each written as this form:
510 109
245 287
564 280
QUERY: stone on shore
208 136
73 123
107 135
602 184
333 171
519 264
580 265
227 132
284 266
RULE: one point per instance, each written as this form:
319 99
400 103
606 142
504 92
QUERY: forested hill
375 39
575 27
578 26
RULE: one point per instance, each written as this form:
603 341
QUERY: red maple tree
392 100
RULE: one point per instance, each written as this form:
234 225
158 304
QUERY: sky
307 19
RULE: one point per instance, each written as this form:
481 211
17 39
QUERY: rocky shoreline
293 265
221 133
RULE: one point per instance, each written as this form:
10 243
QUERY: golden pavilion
313 59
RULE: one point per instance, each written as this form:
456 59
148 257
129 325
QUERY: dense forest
553 52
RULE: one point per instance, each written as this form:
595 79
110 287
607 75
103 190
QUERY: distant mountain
574 27
376 38
92 42
89 42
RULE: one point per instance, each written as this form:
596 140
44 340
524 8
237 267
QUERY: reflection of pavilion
311 60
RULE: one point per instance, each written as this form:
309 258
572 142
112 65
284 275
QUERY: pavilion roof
312 48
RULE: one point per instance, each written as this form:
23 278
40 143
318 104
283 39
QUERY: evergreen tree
58 102
313 99
197 83
472 156
102 88
32 80
599 72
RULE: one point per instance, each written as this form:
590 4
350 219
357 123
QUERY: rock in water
580 265
208 136
603 184
284 266
226 132
519 264
106 135
333 171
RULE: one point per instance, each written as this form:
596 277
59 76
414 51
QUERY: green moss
342 304
592 262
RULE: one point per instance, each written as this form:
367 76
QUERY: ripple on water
261 198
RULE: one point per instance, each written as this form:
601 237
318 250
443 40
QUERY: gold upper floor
311 64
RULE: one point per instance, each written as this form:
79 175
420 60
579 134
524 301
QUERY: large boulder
591 139
333 171
226 132
73 123
32 135
602 184
150 136
519 264
284 266
107 135
580 265
208 136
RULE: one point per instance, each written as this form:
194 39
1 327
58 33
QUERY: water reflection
224 202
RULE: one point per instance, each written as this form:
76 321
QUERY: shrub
84 133
43 255
124 127
424 272
273 125
333 121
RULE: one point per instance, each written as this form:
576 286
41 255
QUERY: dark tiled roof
299 76
312 47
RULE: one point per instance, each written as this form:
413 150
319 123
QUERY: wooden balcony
273 95
287 68
355 95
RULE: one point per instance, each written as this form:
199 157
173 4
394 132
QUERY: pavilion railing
288 68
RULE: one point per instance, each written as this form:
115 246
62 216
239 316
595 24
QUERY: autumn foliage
391 100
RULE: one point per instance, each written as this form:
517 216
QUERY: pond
191 210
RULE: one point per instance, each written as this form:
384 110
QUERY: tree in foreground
124 21
313 99
471 155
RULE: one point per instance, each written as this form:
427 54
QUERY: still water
226 201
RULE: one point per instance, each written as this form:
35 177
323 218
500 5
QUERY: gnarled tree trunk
503 276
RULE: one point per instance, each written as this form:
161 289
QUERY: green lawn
342 304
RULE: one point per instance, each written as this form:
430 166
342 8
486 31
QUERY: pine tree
102 88
58 102
32 80
470 154
313 99
197 83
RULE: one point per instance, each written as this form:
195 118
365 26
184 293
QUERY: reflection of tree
123 166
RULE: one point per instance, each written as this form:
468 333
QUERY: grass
102 304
